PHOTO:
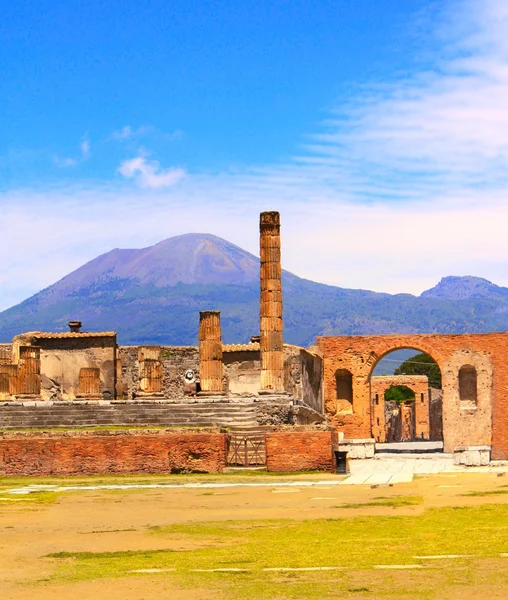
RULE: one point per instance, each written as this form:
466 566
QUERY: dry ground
144 544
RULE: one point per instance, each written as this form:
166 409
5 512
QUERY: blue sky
378 129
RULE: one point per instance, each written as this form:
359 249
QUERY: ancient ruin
289 407
270 308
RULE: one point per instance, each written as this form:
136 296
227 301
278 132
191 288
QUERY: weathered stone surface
472 456
210 351
271 343
419 384
360 448
485 424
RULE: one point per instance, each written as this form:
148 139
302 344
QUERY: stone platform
218 411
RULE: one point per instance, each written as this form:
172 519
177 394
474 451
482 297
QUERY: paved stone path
375 471
402 469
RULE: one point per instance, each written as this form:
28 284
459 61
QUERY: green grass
24 499
486 493
60 429
392 502
353 544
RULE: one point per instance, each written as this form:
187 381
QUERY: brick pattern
420 386
300 451
486 424
103 454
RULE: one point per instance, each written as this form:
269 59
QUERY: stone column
272 350
210 352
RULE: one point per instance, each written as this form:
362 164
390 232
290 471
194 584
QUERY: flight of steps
17 416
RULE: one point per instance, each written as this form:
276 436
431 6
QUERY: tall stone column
210 352
272 350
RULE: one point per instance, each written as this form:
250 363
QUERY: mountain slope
463 288
154 296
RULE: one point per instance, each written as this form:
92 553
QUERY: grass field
442 536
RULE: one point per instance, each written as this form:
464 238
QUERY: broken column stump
210 353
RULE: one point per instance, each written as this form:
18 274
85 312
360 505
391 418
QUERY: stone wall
303 376
112 452
484 424
176 360
5 354
63 359
242 372
300 451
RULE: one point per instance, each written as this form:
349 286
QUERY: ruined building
258 401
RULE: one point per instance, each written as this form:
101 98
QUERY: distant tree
399 394
421 364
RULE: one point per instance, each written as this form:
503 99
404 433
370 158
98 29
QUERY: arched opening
406 397
344 391
468 386
400 414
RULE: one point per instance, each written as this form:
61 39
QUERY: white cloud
85 153
148 174
439 130
128 133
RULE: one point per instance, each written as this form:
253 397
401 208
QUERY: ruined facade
414 415
474 374
86 378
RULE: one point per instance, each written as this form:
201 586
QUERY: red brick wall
102 454
486 425
300 451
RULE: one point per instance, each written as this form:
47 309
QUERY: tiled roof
241 347
72 334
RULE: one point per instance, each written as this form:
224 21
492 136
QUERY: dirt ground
112 521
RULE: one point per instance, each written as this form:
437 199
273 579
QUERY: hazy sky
379 130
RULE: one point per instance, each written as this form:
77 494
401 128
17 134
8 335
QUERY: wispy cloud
149 174
440 130
131 133
85 153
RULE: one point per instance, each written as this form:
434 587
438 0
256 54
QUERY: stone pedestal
472 456
271 343
357 448
210 353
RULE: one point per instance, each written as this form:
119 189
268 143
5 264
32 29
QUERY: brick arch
486 425
418 384
430 350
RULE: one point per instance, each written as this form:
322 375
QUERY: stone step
418 455
86 415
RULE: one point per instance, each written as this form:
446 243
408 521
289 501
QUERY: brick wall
487 424
300 451
120 452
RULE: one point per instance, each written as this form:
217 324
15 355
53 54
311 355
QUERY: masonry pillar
210 352
272 350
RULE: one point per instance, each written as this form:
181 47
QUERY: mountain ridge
154 295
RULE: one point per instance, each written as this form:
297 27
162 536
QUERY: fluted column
210 352
272 350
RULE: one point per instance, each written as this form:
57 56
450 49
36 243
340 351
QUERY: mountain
154 295
463 288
